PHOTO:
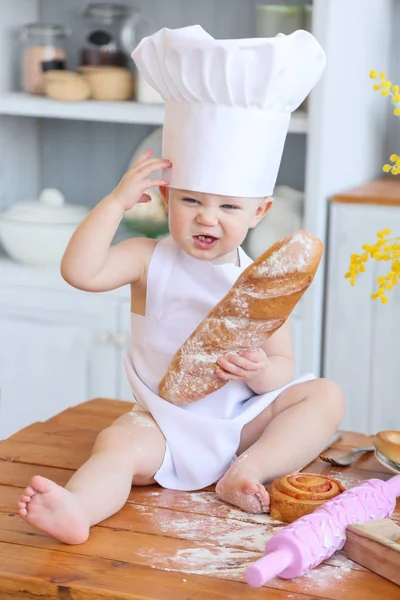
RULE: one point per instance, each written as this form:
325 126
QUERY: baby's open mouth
204 241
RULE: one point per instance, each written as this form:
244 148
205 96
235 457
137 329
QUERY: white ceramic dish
37 232
385 462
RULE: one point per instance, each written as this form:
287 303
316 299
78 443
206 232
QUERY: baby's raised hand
131 188
244 366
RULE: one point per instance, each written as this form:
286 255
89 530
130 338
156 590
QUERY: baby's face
211 227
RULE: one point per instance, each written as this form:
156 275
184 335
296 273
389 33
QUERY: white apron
202 437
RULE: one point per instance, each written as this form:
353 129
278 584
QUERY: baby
262 424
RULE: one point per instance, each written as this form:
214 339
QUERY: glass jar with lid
109 30
43 49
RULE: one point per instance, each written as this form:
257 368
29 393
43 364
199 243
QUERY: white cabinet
57 349
362 335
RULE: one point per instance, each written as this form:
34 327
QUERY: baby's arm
280 367
263 369
90 262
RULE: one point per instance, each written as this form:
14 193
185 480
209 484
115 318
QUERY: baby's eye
229 206
190 200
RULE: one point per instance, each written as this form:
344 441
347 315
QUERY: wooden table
163 544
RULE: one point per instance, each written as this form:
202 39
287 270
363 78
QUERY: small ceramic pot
37 232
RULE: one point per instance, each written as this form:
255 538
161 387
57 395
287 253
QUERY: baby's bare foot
54 510
244 491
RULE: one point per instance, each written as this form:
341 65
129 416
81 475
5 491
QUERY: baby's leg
130 451
284 438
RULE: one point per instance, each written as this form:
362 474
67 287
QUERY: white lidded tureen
37 232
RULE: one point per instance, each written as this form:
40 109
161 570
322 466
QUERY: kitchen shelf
25 105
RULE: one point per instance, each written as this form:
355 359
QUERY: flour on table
325 574
233 540
217 531
227 563
228 511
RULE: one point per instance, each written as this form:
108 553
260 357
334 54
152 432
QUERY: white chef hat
228 104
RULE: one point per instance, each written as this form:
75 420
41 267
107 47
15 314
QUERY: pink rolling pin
313 538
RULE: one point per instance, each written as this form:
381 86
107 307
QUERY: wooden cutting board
376 545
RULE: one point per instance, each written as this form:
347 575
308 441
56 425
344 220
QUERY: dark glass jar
105 25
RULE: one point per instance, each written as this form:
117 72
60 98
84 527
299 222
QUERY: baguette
259 302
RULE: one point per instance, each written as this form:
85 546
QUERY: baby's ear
266 205
262 209
164 192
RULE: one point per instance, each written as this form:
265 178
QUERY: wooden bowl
109 83
388 444
65 86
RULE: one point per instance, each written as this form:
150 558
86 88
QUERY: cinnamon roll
298 494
